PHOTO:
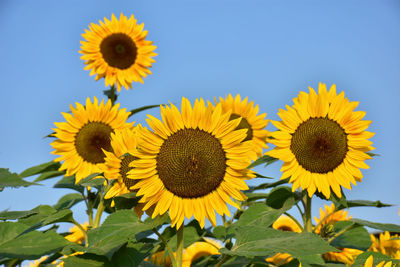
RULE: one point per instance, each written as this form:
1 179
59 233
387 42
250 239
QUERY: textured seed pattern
119 50
125 169
319 145
89 141
191 163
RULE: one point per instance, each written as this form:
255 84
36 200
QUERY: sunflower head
118 51
76 234
322 141
370 263
386 244
83 138
192 163
250 119
329 217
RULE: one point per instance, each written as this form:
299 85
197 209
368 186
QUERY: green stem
83 232
340 232
307 214
223 260
101 206
323 220
167 246
179 247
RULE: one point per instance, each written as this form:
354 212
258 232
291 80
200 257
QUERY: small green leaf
267 185
255 196
45 167
92 180
68 201
137 110
33 245
278 196
87 260
356 237
41 213
264 159
219 232
367 203
8 179
131 255
380 226
69 182
48 175
13 215
262 176
59 216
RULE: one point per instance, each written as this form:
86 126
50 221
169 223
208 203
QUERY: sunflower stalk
83 232
100 207
167 246
307 213
179 247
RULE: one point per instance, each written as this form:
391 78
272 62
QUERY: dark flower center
191 163
119 50
244 124
319 145
125 169
90 139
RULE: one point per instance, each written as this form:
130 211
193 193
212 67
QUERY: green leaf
10 230
48 175
41 213
380 226
33 245
117 229
237 262
255 196
257 240
267 185
137 110
87 260
378 257
59 216
131 255
68 201
69 182
264 159
189 237
366 203
356 237
92 180
45 167
278 196
126 201
8 179
262 176
13 215
219 232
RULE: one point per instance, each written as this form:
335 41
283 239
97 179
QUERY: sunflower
200 249
346 255
76 235
192 164
283 223
370 261
322 141
118 51
330 216
85 134
386 244
255 124
116 166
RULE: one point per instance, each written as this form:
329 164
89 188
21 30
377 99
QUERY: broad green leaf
278 196
312 261
117 229
137 110
378 257
94 179
264 159
69 182
219 232
237 262
42 212
64 215
13 215
33 245
67 201
8 179
131 255
87 260
380 226
356 237
45 167
10 230
257 240
48 175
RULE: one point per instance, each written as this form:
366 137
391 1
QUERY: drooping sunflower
254 123
386 244
116 165
85 134
370 263
329 217
192 164
199 249
118 51
76 234
283 223
322 141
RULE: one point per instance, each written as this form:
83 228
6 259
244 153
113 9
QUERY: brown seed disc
119 50
125 169
191 163
90 139
319 145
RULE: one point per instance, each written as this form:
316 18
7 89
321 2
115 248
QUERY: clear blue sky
266 50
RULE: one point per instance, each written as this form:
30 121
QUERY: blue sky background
266 50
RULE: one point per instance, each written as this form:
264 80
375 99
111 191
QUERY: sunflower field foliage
173 191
